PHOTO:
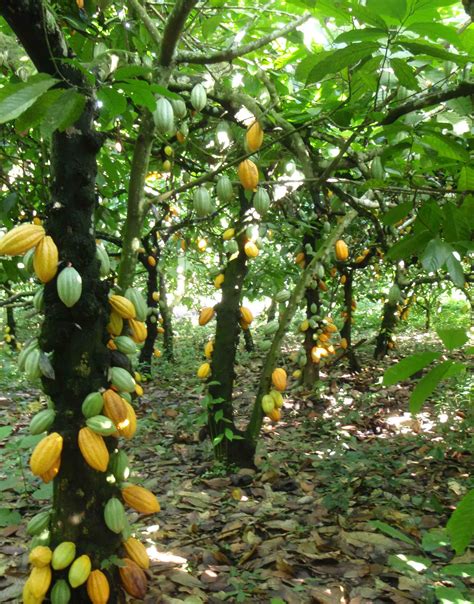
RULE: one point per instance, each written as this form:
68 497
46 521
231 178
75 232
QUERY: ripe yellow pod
219 280
254 137
300 259
140 499
151 262
40 580
279 379
138 329
296 374
50 474
79 571
209 349
228 234
98 588
45 259
342 251
93 450
155 296
122 306
136 551
46 453
251 250
204 371
40 556
248 175
115 325
206 315
275 415
343 343
21 239
128 427
114 406
157 353
304 325
246 315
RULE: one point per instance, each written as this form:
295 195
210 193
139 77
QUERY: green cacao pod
265 345
28 260
261 201
104 260
61 592
101 425
394 294
121 379
119 465
319 270
202 202
44 538
32 345
223 136
42 421
80 571
224 189
376 168
198 97
32 364
127 396
327 227
179 108
114 515
163 116
63 555
268 404
69 286
283 296
232 247
38 523
92 404
125 345
270 328
38 300
137 299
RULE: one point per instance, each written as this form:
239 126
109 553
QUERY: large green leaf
432 50
455 271
390 8
405 74
436 31
409 245
397 213
408 366
34 114
16 98
428 383
453 337
435 255
63 112
446 147
466 179
450 595
391 531
461 524
337 60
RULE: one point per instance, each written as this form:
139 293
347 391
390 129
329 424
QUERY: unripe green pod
268 404
80 571
61 592
92 404
28 260
119 465
101 425
42 421
38 300
114 515
125 344
32 364
63 555
121 379
138 301
69 286
38 523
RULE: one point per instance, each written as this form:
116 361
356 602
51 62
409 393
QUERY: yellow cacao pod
246 315
279 379
275 415
254 137
45 259
140 499
204 371
40 556
138 329
114 407
50 474
151 261
304 325
228 234
98 588
248 175
251 250
93 450
133 579
21 239
136 551
46 453
28 597
219 280
122 306
115 325
40 580
342 251
209 349
277 398
343 279
156 296
300 259
128 427
79 571
206 315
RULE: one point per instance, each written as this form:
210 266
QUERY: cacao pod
61 592
163 116
140 499
46 453
101 425
232 247
202 202
52 472
251 250
218 281
114 515
268 404
204 371
115 325
104 260
376 168
123 307
98 588
38 300
394 294
300 258
114 407
28 260
179 108
156 296
42 421
228 234
138 329
270 328
40 580
69 286
93 449
275 415
138 301
28 597
277 398
261 201
279 379
248 175
119 465
225 191
125 345
63 555
296 374
136 551
121 379
343 279
198 97
20 239
128 427
283 296
133 579
38 523
209 349
92 404
40 556
223 136
246 315
254 137
32 364
151 260
206 315
79 571
304 325
342 251
45 260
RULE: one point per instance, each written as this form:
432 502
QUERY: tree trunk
146 353
271 312
346 331
248 340
389 323
167 317
310 370
11 324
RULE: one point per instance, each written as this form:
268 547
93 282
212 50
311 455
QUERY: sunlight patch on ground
164 557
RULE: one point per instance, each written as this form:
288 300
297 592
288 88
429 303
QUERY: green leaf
337 60
229 434
397 213
16 98
409 564
460 526
428 383
113 102
140 92
218 439
63 112
360 35
450 595
409 246
459 570
466 179
408 366
456 224
432 50
446 147
436 31
390 8
132 71
455 270
391 531
34 114
435 255
9 517
405 74
452 338
5 431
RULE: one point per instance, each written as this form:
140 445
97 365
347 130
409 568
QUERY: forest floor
348 504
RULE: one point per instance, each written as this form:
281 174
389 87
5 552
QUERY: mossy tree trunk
346 331
389 323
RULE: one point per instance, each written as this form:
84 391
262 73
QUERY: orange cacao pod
140 499
279 379
138 329
254 137
342 251
114 407
136 551
93 449
133 579
248 175
206 315
98 588
122 306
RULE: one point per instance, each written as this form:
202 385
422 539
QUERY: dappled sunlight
165 557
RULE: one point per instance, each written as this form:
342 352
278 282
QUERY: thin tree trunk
248 340
271 312
310 370
389 323
346 331
146 353
167 317
11 324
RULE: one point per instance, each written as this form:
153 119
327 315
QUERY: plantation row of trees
297 154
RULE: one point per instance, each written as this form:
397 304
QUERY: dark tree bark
389 323
310 370
346 331
167 317
272 309
146 353
11 324
248 340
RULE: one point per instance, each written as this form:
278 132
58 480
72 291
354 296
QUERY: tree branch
232 53
464 89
